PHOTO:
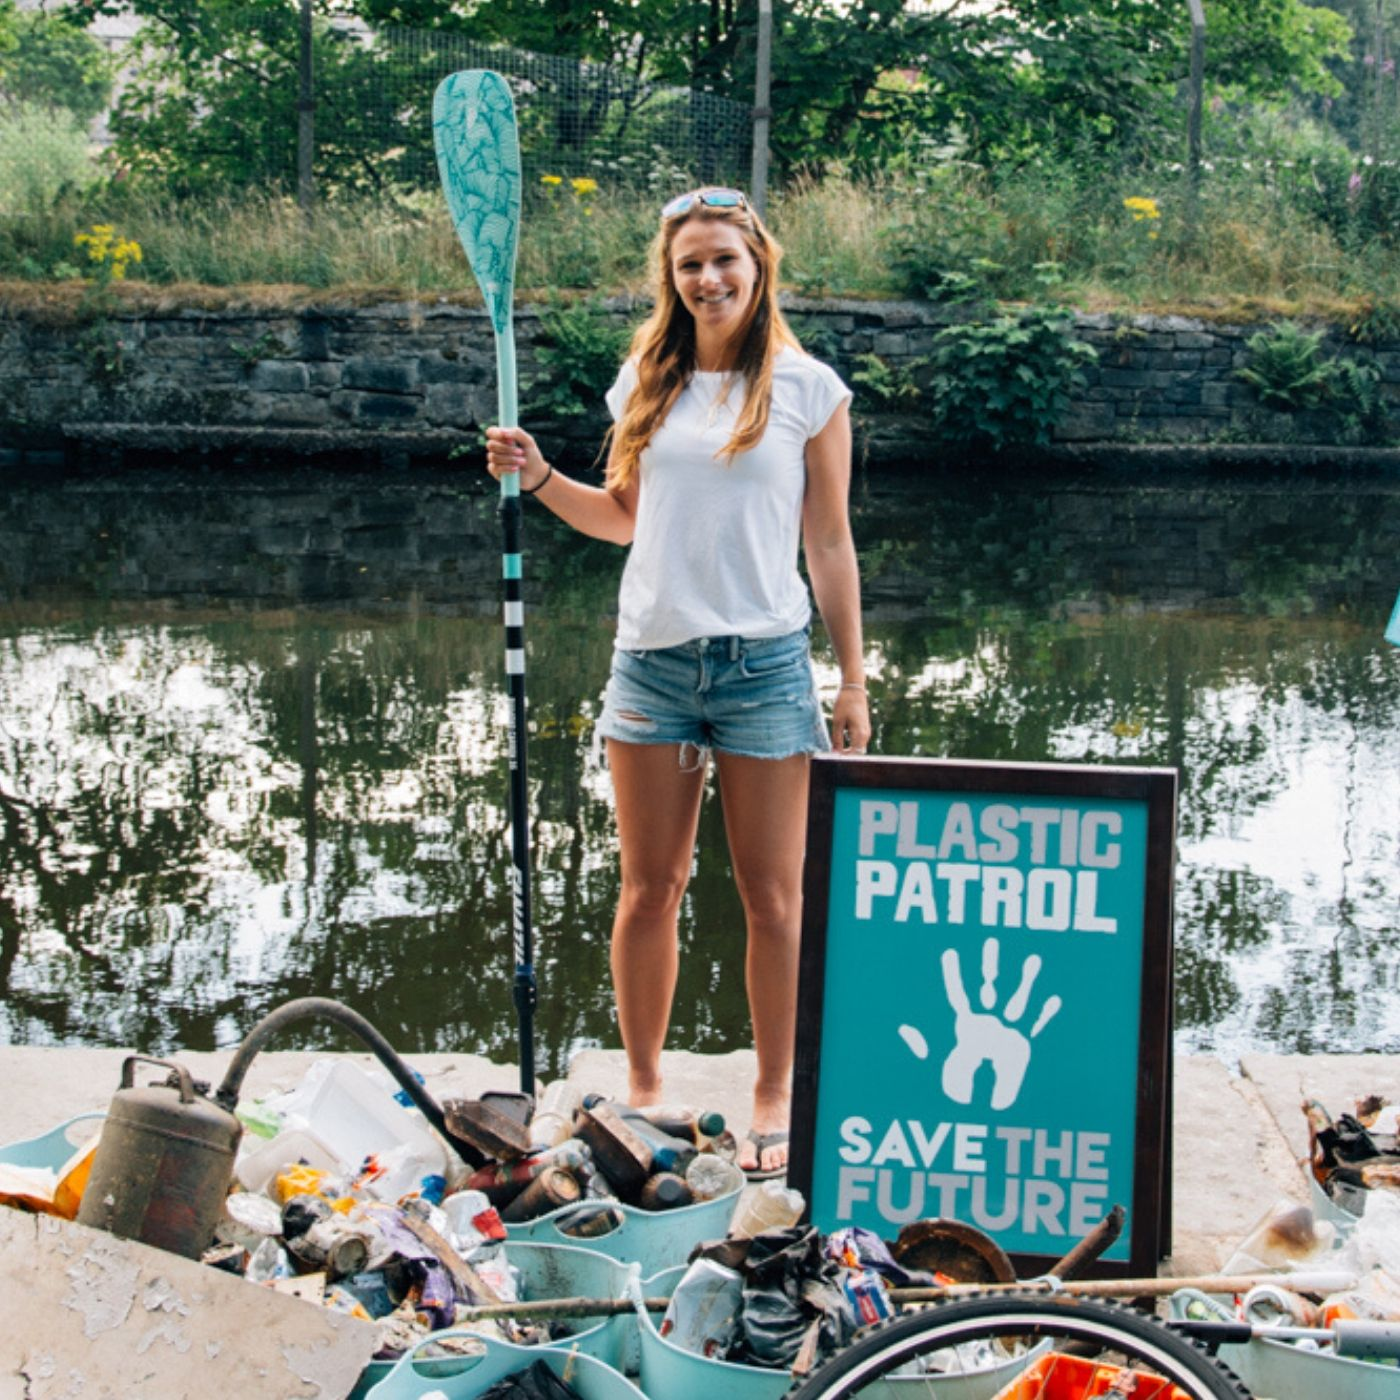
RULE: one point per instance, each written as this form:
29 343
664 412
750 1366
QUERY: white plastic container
335 1119
354 1117
258 1165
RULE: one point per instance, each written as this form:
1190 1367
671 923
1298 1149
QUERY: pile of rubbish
1357 1154
784 1296
343 1194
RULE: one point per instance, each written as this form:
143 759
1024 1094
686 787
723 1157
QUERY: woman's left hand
850 722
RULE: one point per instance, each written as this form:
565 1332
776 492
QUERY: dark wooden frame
1150 1218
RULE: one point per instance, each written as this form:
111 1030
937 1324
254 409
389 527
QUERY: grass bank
1262 246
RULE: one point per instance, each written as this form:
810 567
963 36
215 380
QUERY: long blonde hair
664 346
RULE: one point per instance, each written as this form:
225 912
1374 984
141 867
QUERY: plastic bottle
710 1177
553 1119
698 1127
772 1207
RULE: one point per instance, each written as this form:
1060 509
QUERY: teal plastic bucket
558 1271
653 1240
53 1148
467 1377
1278 1369
670 1373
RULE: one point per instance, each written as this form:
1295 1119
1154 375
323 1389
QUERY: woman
728 442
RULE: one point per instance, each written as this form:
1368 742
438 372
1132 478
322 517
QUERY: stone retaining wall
426 371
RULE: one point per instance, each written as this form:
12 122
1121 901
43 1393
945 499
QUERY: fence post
762 111
306 114
1193 118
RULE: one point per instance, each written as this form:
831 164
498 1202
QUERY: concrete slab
1335 1081
92 1317
1233 1151
45 1085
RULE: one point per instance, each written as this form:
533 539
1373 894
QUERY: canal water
252 742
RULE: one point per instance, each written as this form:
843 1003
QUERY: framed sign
984 1003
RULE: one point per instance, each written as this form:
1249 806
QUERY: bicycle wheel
1025 1345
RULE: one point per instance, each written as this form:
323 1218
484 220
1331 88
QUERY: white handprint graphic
984 1036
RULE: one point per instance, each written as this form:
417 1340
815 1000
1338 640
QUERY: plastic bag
538 1383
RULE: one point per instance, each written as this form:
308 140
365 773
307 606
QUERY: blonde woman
729 446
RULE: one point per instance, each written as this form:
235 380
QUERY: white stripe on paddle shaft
515 613
515 661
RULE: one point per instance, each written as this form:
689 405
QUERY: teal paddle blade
478 155
479 160
1392 633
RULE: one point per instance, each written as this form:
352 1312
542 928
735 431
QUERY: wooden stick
1134 1287
1085 1288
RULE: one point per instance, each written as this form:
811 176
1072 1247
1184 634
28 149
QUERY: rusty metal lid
953 1249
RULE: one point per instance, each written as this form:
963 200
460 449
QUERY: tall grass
1259 240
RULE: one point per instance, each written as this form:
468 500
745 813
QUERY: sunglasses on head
711 199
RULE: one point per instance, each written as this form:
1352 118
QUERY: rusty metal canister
621 1154
164 1163
552 1188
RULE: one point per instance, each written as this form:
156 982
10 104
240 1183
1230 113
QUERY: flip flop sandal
760 1142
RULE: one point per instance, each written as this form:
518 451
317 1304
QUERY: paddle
479 162
1392 633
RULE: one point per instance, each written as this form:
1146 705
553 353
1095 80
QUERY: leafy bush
43 151
1007 380
581 346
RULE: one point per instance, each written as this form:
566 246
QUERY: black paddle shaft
524 991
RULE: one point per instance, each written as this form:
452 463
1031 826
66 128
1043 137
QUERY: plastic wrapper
1286 1236
864 1249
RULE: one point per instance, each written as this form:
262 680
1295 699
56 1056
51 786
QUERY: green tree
50 59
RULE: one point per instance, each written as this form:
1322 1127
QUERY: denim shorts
756 697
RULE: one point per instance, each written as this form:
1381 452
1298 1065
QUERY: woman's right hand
514 450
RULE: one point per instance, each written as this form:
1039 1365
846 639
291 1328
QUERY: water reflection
207 813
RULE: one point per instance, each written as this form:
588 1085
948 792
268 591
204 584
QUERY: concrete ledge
1237 1142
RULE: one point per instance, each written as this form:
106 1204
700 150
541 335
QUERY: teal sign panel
989 1000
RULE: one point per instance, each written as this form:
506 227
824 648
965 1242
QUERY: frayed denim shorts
756 697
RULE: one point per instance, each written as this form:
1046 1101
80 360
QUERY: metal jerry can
164 1163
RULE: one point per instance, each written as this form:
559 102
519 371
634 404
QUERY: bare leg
765 816
658 810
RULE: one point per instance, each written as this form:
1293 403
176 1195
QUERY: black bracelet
534 490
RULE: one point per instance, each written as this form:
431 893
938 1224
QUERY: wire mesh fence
217 109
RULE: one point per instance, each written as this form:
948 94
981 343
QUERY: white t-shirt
714 553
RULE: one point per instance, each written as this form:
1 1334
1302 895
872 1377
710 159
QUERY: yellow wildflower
1142 208
583 186
551 180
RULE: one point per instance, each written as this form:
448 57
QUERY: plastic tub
559 1271
1279 1369
668 1372
53 1148
467 1377
653 1240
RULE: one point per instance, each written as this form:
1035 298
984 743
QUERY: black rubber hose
304 1008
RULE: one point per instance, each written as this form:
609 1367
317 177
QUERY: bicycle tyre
863 1367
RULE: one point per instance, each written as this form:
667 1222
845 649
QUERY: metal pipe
305 1008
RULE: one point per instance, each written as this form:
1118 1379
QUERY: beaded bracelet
845 685
534 490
